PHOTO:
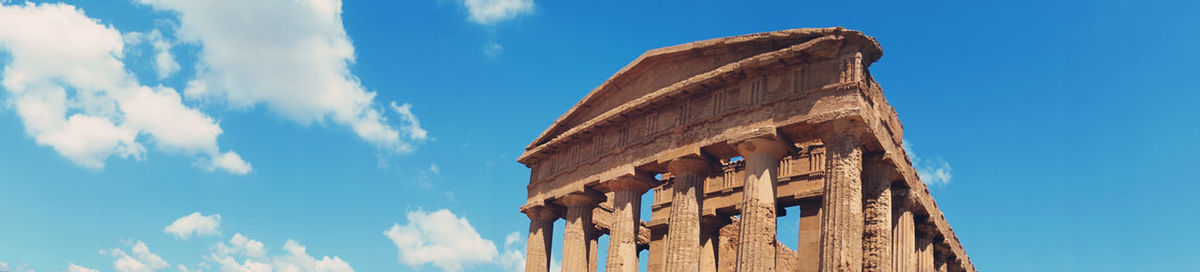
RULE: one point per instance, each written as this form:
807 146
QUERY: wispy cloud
934 172
194 224
487 12
76 268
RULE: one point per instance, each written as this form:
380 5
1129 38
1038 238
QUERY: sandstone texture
724 134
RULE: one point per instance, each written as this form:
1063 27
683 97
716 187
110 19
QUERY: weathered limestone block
622 238
877 209
537 249
683 239
786 259
756 252
578 229
728 246
842 220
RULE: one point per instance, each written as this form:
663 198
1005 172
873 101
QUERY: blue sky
354 136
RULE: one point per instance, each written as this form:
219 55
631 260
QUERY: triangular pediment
662 67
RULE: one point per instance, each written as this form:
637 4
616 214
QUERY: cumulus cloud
513 258
291 57
66 81
487 12
934 171
254 257
442 239
194 224
139 259
76 268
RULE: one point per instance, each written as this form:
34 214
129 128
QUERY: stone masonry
724 134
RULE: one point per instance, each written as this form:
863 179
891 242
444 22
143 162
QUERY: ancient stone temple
725 134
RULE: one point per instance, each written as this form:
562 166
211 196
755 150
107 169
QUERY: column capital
630 182
579 199
541 213
761 146
689 165
842 130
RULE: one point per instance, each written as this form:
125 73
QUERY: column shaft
877 212
622 238
924 254
593 250
710 232
537 249
683 236
903 240
756 238
808 248
841 212
578 229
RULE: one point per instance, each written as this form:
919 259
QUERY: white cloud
933 172
76 268
66 80
194 224
513 258
292 57
231 162
22 268
487 12
164 62
433 168
297 259
184 268
294 259
442 239
410 125
139 259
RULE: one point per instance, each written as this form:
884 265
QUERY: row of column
856 217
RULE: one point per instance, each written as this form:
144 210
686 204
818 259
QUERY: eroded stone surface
782 118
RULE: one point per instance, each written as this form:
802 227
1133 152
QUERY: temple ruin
726 133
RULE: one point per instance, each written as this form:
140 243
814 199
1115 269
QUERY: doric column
710 235
877 212
808 247
903 240
756 238
622 238
683 235
593 250
925 248
841 211
541 227
579 227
